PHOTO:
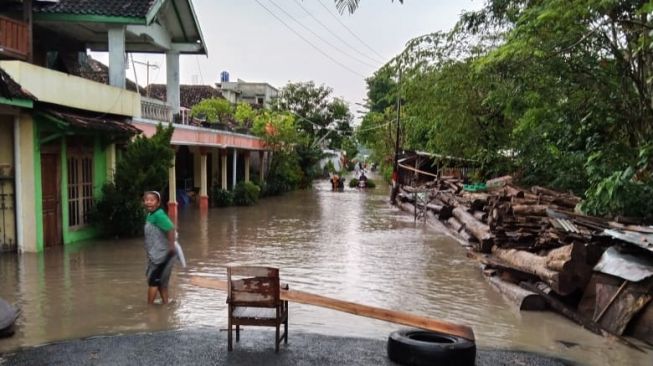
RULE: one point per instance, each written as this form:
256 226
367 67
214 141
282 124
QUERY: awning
93 122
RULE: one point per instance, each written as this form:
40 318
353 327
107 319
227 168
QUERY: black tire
419 347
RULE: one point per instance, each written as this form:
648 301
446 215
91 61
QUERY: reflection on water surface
351 245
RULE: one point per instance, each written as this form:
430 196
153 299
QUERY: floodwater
349 245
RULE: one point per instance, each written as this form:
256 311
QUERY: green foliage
555 92
119 213
370 184
330 167
322 119
353 183
285 173
244 114
246 193
214 110
221 197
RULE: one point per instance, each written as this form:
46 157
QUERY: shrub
120 213
353 183
221 197
117 215
246 194
370 184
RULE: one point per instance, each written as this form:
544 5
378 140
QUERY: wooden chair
254 299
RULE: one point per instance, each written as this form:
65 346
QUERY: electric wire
336 34
309 42
322 39
349 30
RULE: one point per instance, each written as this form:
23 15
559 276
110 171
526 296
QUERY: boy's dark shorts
158 275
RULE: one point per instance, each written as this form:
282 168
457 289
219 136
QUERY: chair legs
285 331
277 339
229 343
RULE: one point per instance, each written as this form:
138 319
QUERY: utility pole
395 171
147 74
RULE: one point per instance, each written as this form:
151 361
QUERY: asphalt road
209 347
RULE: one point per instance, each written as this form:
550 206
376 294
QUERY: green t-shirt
159 219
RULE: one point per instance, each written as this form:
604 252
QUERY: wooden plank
392 316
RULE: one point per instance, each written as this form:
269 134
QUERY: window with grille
80 188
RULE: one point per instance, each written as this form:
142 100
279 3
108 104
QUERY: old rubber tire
420 347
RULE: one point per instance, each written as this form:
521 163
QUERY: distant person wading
159 246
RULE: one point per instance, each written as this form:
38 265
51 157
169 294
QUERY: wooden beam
356 309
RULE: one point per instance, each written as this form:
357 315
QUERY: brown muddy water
350 245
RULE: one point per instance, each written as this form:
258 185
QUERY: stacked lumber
534 247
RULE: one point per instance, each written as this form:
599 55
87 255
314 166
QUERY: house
63 119
251 92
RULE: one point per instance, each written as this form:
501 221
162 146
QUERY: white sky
248 42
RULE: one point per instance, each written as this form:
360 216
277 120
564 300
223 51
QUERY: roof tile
117 8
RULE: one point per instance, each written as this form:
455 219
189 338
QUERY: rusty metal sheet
644 241
626 266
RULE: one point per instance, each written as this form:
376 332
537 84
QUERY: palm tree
350 5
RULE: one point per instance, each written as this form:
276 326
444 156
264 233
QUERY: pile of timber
533 233
526 238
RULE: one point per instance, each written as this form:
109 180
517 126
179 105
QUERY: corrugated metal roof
644 241
626 266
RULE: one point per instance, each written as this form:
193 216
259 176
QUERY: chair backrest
253 286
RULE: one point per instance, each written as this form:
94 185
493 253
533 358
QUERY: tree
350 5
560 91
244 114
143 167
324 119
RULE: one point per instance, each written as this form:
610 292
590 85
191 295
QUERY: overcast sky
244 39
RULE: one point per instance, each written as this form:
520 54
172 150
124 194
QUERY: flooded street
351 245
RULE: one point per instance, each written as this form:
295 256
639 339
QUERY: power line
322 39
350 31
310 43
335 34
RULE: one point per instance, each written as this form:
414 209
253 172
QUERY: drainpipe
18 191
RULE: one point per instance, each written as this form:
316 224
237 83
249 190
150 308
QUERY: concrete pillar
111 161
204 193
246 155
25 202
215 164
223 168
261 164
18 191
117 56
172 192
172 80
235 165
197 168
